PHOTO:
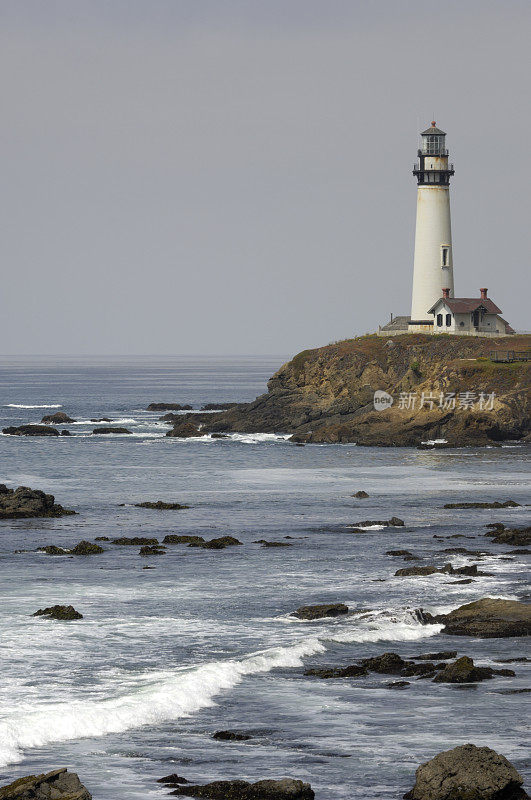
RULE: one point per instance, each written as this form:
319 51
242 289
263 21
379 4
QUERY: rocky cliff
442 387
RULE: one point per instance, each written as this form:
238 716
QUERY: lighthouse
433 263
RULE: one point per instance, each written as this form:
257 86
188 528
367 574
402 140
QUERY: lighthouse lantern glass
433 144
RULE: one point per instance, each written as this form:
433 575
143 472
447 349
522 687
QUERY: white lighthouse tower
433 264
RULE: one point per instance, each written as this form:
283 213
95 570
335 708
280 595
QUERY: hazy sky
234 176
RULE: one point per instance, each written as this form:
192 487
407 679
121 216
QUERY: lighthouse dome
433 130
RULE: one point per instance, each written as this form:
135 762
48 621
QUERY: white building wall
433 231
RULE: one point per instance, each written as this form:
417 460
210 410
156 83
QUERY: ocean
204 641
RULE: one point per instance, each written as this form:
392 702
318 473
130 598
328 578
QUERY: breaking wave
165 696
21 405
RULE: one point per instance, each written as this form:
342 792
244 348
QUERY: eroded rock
59 612
488 618
283 789
58 784
320 611
467 773
24 503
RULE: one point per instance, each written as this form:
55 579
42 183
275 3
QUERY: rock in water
284 789
464 671
467 773
86 549
488 618
231 736
360 495
59 612
59 785
185 430
23 502
110 430
320 611
176 538
160 505
31 430
168 407
59 418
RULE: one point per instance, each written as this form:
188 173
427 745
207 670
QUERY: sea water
204 641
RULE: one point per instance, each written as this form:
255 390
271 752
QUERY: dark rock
284 789
218 406
31 430
86 549
465 580
231 736
387 663
217 544
399 553
442 655
59 418
186 430
406 572
168 407
497 526
59 612
24 503
464 551
53 550
159 505
102 539
464 671
518 537
495 504
361 494
467 773
174 778
521 552
152 550
66 433
519 660
394 522
397 684
102 419
320 611
59 785
219 436
276 544
352 671
488 618
418 669
174 538
134 540
110 430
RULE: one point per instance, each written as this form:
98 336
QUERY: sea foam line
21 405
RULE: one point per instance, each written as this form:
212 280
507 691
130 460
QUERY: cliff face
326 395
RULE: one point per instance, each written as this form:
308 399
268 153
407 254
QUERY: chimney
483 293
446 293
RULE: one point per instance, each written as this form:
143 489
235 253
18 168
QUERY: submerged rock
387 663
134 540
23 503
394 522
231 736
173 779
517 537
110 430
442 655
160 505
52 550
59 785
406 572
174 538
495 504
283 789
59 612
31 430
265 543
102 419
59 418
467 773
320 611
168 407
360 495
488 618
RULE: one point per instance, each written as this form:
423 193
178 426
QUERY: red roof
462 305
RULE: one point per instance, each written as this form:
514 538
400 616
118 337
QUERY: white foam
21 405
368 527
162 697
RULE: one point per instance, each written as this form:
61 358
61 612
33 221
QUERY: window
432 144
445 256
439 320
461 324
448 320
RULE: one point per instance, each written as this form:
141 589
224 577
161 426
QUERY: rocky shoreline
443 388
